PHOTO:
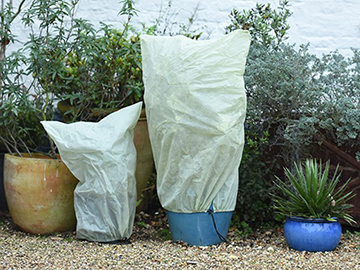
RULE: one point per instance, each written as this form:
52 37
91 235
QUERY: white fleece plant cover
195 104
102 156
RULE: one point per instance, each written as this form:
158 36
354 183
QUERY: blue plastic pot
199 229
312 234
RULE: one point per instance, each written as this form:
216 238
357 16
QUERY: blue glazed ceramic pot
312 234
199 229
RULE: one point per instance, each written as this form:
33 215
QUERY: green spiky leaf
310 193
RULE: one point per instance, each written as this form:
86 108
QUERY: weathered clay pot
144 161
40 193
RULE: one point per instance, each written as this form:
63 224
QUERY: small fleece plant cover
195 106
103 157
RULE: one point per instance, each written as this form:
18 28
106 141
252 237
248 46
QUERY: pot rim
311 220
35 156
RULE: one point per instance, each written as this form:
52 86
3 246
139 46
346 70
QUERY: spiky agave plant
310 193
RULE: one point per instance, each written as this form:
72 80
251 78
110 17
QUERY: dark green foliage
311 193
267 26
165 234
243 229
20 128
252 181
101 74
91 72
19 125
24 102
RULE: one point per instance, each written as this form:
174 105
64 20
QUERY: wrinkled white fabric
102 156
195 104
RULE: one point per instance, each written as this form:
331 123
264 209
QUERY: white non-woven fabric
195 105
102 156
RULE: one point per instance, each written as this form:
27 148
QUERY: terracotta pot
144 161
40 194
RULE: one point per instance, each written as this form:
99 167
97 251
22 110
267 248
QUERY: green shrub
20 128
280 91
336 115
267 26
253 198
92 72
292 96
101 74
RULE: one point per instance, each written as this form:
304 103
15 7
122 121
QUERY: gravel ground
150 249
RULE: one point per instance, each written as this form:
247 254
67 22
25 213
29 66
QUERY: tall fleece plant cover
195 105
103 157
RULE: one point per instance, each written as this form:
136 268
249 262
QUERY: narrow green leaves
309 192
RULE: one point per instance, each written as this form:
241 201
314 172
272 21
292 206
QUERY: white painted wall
326 24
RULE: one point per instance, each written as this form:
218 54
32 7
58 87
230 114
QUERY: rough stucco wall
326 24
